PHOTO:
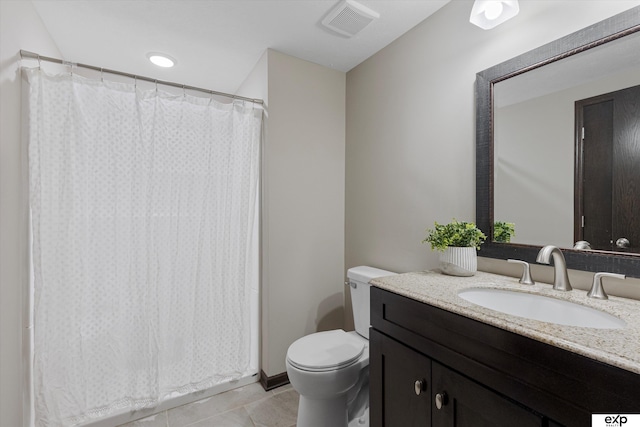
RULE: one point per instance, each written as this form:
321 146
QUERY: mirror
534 144
520 182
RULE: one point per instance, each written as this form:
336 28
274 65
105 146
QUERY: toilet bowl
325 368
330 370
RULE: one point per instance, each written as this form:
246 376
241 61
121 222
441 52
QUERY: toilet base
322 412
362 421
328 412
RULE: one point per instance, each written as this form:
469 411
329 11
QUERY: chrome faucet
560 275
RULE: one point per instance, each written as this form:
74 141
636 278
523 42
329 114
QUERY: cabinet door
399 384
465 403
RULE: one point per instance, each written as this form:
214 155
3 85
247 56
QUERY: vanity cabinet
464 403
431 367
406 377
421 392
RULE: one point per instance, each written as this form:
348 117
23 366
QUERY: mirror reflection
551 184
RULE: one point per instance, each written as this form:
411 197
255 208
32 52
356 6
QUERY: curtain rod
32 55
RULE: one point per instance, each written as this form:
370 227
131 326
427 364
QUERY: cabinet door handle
419 386
441 399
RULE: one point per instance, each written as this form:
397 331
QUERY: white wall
303 205
20 28
411 126
256 85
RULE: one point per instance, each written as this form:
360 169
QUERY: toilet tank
359 278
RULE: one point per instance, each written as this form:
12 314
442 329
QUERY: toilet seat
325 351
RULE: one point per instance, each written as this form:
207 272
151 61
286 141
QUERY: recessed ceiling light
161 59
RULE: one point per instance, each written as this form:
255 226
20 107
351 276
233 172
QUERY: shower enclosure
144 247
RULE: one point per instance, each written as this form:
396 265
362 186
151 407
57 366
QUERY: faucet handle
597 291
526 272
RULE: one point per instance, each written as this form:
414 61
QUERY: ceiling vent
349 18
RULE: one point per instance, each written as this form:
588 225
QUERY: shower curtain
143 208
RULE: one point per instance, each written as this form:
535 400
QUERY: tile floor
248 406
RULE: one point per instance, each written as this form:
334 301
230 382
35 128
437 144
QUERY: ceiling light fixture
487 14
161 59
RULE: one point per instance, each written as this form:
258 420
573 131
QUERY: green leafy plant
503 231
458 234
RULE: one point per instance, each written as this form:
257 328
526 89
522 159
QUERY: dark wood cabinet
485 376
406 375
420 392
464 403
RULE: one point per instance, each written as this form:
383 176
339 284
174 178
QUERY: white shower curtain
143 211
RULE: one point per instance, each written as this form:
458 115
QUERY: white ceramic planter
456 261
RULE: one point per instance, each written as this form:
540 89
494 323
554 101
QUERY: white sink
542 308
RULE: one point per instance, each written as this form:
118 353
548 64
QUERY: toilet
330 370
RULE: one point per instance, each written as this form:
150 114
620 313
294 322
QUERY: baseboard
269 383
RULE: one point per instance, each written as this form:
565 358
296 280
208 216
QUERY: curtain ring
210 97
101 75
135 82
39 64
156 81
184 92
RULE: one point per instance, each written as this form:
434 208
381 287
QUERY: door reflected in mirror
607 179
547 182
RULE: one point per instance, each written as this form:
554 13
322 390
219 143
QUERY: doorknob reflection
623 242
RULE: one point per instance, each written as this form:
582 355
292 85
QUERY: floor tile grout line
282 389
224 412
257 398
265 395
214 415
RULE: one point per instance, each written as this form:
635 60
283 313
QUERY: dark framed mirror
493 87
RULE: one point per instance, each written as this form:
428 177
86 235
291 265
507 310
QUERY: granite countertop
617 347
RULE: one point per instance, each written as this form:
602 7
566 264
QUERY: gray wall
411 126
303 205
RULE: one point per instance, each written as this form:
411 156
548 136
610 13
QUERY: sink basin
542 308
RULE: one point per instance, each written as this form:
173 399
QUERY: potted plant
458 241
503 231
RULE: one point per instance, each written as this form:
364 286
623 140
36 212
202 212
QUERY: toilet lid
324 351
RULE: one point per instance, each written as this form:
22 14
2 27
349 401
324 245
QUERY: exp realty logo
618 420
615 420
